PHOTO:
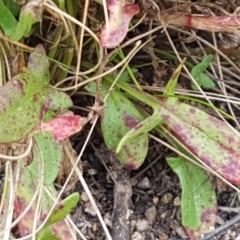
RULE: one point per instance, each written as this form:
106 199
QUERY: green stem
121 54
138 94
172 57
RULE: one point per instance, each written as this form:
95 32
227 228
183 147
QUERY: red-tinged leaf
198 199
62 127
57 231
119 19
207 137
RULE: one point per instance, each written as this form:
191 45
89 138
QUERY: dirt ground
156 194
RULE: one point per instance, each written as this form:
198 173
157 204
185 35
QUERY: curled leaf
118 22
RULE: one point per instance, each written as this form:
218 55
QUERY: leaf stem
138 94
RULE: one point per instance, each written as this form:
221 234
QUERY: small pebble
233 234
133 225
219 220
108 219
167 198
226 237
163 236
163 215
94 227
150 192
84 197
144 183
142 225
150 214
137 236
133 182
238 237
92 171
177 201
155 201
90 210
140 207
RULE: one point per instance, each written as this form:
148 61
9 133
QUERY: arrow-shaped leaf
198 74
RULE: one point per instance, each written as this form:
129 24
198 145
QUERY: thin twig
218 230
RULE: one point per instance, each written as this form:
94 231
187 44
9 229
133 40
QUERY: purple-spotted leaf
119 116
207 137
26 98
198 199
120 16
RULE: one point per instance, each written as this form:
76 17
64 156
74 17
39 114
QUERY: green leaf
39 65
22 111
64 208
197 73
7 21
124 77
120 116
30 14
12 6
46 233
51 153
141 128
198 199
